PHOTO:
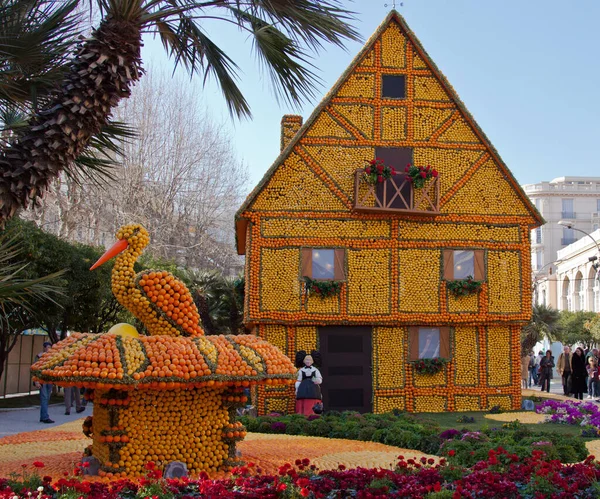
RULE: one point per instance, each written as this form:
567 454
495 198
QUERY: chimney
290 124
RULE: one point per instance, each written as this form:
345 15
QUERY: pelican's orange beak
114 250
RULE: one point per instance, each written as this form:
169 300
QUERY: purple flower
449 434
278 427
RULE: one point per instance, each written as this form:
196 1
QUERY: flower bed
585 414
403 430
499 475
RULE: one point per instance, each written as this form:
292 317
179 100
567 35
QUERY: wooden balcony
396 195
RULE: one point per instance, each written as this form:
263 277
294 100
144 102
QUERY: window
326 264
539 259
538 235
567 208
393 86
568 236
598 205
460 264
398 158
322 263
429 342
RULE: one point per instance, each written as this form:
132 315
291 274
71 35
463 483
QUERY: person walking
533 375
525 361
538 361
45 389
593 377
578 384
546 365
563 366
72 395
592 353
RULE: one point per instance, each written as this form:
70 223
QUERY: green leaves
464 287
322 289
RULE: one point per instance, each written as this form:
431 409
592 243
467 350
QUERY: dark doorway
347 383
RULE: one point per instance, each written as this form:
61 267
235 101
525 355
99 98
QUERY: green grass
447 421
27 401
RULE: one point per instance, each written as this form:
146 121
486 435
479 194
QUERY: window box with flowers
381 187
429 366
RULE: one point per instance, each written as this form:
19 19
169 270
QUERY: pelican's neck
123 273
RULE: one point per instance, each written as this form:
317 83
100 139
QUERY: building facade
575 285
395 255
569 200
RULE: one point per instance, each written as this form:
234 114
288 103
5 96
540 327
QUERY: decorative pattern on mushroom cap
163 362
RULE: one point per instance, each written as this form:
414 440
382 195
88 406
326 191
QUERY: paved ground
19 420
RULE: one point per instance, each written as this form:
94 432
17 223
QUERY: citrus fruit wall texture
394 262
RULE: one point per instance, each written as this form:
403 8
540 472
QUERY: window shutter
448 265
479 263
413 342
445 342
306 262
339 266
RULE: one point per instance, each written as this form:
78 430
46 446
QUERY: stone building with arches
575 285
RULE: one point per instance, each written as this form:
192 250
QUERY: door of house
346 353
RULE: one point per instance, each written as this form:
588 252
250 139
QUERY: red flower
437 487
341 467
368 170
393 171
372 162
427 168
451 452
304 492
85 464
38 464
149 465
434 173
282 486
379 178
406 169
424 174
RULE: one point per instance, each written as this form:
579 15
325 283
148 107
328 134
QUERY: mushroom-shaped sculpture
170 396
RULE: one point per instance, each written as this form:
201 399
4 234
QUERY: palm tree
108 63
543 323
220 301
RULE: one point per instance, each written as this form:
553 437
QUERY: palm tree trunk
102 73
202 306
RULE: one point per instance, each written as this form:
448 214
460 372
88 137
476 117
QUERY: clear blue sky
528 71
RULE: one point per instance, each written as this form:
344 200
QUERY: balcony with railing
565 241
568 215
396 195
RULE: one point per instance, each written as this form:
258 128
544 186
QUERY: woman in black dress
579 374
308 391
546 365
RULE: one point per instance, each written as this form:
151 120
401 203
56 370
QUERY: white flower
40 489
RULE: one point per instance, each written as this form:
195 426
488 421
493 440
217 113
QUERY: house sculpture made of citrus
400 254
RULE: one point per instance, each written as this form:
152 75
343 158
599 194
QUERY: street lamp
594 259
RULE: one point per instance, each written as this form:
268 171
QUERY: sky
527 70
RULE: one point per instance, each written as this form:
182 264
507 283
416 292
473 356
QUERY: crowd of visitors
578 370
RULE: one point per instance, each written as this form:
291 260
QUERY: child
594 377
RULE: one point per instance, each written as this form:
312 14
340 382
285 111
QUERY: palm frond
16 291
311 22
282 57
36 38
188 45
102 153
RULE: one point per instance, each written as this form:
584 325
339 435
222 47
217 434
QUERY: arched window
565 297
578 293
592 290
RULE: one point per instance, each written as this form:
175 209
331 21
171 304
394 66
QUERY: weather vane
401 4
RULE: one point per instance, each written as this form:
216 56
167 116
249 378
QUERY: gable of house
316 171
